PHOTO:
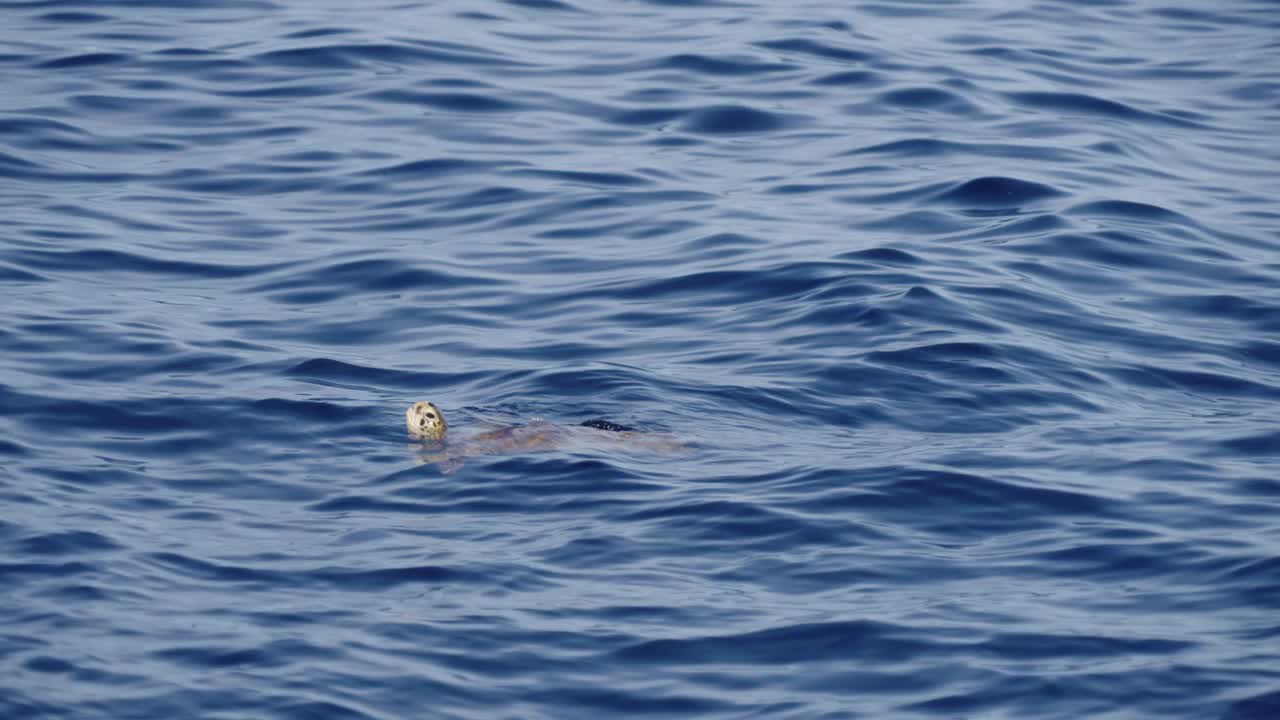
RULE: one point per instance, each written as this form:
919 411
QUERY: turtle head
425 421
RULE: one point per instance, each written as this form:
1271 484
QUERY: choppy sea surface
965 315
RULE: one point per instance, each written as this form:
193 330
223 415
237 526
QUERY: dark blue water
970 312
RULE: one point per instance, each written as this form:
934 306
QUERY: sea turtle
426 423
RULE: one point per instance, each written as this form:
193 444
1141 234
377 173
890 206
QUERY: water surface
970 309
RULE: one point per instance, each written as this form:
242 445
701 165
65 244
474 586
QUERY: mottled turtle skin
425 422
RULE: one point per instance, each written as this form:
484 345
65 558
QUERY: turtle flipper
443 459
450 464
601 424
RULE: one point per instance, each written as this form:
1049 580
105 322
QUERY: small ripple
998 192
343 279
1082 104
12 274
735 119
802 643
745 523
1264 445
345 57
932 147
98 261
851 78
956 504
708 65
928 98
548 5
1263 706
16 572
604 179
335 370
339 578
74 17
274 654
647 116
1029 646
66 543
1195 381
1130 211
84 60
453 102
814 48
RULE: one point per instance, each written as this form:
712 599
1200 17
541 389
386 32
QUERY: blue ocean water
968 314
